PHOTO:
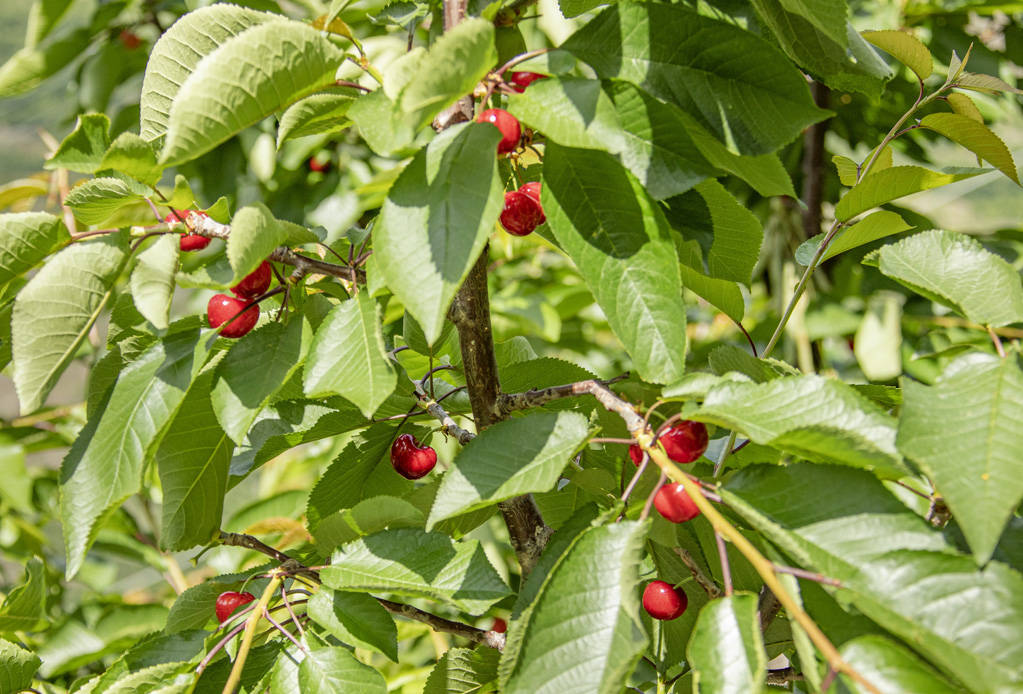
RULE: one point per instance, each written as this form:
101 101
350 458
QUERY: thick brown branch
510 402
813 165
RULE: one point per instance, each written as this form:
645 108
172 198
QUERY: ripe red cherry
129 40
410 459
520 80
319 166
673 502
510 129
254 283
223 308
685 441
521 213
230 601
532 189
662 601
189 241
636 454
500 626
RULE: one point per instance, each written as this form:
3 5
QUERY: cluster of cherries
221 307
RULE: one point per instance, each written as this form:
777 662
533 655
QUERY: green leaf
726 650
98 199
894 568
905 48
848 170
728 358
809 416
877 225
649 137
878 339
348 357
82 151
226 93
193 461
25 239
514 457
892 666
452 67
736 84
964 106
436 221
55 311
179 51
255 370
965 432
43 17
106 461
22 189
984 83
384 128
315 115
355 618
624 252
365 518
334 669
583 632
412 562
17 667
829 16
255 234
26 69
24 608
131 155
975 137
957 271
463 671
152 280
890 184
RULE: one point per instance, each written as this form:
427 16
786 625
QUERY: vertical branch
813 165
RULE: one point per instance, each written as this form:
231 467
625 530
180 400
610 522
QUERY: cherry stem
650 499
204 663
808 575
701 578
749 339
624 442
997 341
291 612
635 479
279 627
352 85
726 567
521 59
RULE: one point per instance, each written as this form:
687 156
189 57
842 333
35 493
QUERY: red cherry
223 308
230 601
410 459
189 241
500 626
521 213
254 283
673 502
129 40
662 601
510 129
319 166
532 189
520 80
636 454
685 441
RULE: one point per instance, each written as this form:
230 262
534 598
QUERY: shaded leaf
334 669
874 226
152 280
24 607
463 671
726 650
26 69
315 115
355 618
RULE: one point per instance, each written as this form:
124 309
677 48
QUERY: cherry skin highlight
520 80
410 459
664 602
685 441
223 308
532 189
189 241
510 129
255 283
521 214
673 502
230 601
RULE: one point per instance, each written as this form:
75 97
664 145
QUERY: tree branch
705 582
440 414
510 402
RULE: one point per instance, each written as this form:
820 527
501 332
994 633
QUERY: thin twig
703 579
490 638
808 575
726 567
448 424
291 612
997 341
279 627
510 402
650 499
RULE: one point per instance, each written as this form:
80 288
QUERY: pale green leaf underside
726 649
315 115
335 669
82 151
133 156
809 416
890 184
956 270
56 309
98 199
17 667
514 457
412 562
966 432
24 606
25 239
152 280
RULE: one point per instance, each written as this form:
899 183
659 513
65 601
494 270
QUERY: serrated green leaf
82 151
809 416
315 115
255 370
384 128
437 219
583 633
152 280
412 562
975 137
24 607
255 233
729 358
874 226
347 356
365 518
905 48
106 461
355 618
25 239
261 70
892 666
965 432
849 171
17 667
179 51
193 460
890 184
957 271
964 106
514 457
829 16
624 252
716 72
131 155
334 669
726 650
463 671
98 199
55 311
26 69
194 608
984 83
